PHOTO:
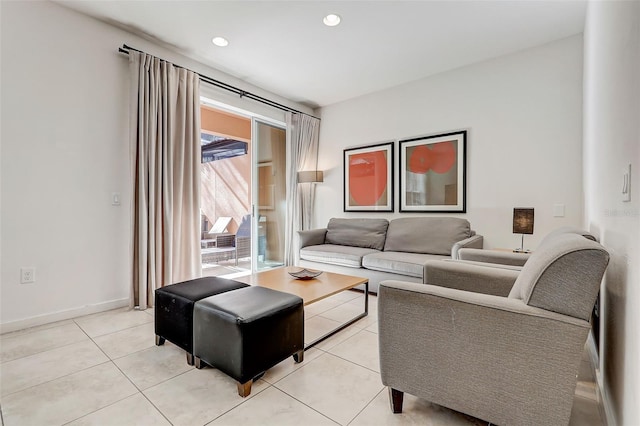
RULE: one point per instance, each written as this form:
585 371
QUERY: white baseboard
604 402
62 315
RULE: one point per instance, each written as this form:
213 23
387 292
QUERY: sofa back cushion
563 276
428 235
368 233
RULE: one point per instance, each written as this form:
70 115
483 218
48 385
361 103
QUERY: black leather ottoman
174 309
245 332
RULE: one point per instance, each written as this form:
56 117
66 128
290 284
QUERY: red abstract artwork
439 157
369 178
432 174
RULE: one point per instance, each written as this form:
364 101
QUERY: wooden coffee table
325 285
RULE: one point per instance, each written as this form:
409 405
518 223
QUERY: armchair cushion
564 276
432 235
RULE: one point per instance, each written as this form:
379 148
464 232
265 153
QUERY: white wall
611 141
524 116
64 151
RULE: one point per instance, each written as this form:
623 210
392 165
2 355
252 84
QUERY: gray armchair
507 360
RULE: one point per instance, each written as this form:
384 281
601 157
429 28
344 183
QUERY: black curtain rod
242 93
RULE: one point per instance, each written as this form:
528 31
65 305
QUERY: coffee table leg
346 324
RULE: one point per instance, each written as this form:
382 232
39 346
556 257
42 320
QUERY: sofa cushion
430 235
563 276
411 264
368 233
335 254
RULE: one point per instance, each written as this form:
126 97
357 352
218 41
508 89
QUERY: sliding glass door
269 195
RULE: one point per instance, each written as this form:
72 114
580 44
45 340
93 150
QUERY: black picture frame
433 173
368 178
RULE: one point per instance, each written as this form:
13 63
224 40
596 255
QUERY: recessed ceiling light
220 41
331 20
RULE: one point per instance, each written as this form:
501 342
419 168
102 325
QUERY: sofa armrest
312 237
479 354
493 256
470 277
475 241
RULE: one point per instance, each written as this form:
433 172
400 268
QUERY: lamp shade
310 176
522 221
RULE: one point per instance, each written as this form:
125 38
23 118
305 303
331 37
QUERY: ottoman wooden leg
298 356
198 363
159 340
244 389
189 358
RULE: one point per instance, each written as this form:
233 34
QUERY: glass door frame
255 215
208 99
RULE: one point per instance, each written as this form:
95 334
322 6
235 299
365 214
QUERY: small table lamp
522 224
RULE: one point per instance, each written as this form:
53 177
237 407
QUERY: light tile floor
104 369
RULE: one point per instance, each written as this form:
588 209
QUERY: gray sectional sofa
379 249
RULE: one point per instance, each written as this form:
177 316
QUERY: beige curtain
303 134
165 157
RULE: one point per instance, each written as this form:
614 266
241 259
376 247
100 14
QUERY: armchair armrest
493 256
475 241
488 356
312 237
470 277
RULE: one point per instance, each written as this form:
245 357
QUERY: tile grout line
306 405
114 364
124 374
116 331
245 400
57 378
368 404
298 369
42 351
67 344
348 360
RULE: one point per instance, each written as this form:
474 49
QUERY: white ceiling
283 46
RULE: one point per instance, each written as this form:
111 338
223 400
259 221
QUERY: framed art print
433 173
368 178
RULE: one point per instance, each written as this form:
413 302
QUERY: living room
550 124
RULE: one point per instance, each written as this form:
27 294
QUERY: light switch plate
558 210
626 183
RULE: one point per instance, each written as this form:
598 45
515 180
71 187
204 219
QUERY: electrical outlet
27 275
